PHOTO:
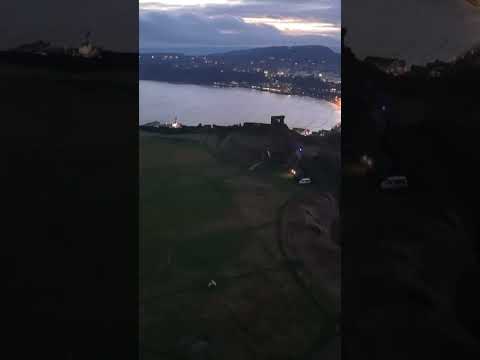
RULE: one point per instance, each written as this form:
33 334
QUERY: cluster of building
332 92
435 69
173 125
275 121
390 66
270 66
303 132
86 49
277 75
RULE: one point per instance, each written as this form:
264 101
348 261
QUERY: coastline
162 101
239 86
259 88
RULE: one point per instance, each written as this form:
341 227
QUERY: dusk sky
418 31
239 23
65 22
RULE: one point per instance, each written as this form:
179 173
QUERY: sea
194 104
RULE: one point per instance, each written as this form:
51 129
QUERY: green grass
180 198
185 199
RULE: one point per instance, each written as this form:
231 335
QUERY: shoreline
256 88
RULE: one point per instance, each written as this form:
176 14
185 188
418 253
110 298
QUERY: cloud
319 10
160 30
174 22
227 23
295 26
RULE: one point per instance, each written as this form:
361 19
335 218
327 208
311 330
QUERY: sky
65 22
239 23
418 31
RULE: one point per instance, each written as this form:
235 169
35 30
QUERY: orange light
338 101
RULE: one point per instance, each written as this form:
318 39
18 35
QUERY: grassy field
179 198
203 219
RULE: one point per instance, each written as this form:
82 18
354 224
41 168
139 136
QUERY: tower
278 120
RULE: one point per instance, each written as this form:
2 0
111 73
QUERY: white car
305 181
394 183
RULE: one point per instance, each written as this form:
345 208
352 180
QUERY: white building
87 49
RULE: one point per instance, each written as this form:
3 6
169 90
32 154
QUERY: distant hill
190 51
317 52
320 54
296 70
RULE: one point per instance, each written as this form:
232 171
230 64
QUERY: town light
367 160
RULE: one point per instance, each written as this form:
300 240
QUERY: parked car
304 181
394 183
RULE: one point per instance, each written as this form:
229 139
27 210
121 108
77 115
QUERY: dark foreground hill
410 259
69 154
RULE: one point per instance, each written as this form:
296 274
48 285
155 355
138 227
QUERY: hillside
70 164
248 228
320 58
312 71
321 54
421 246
